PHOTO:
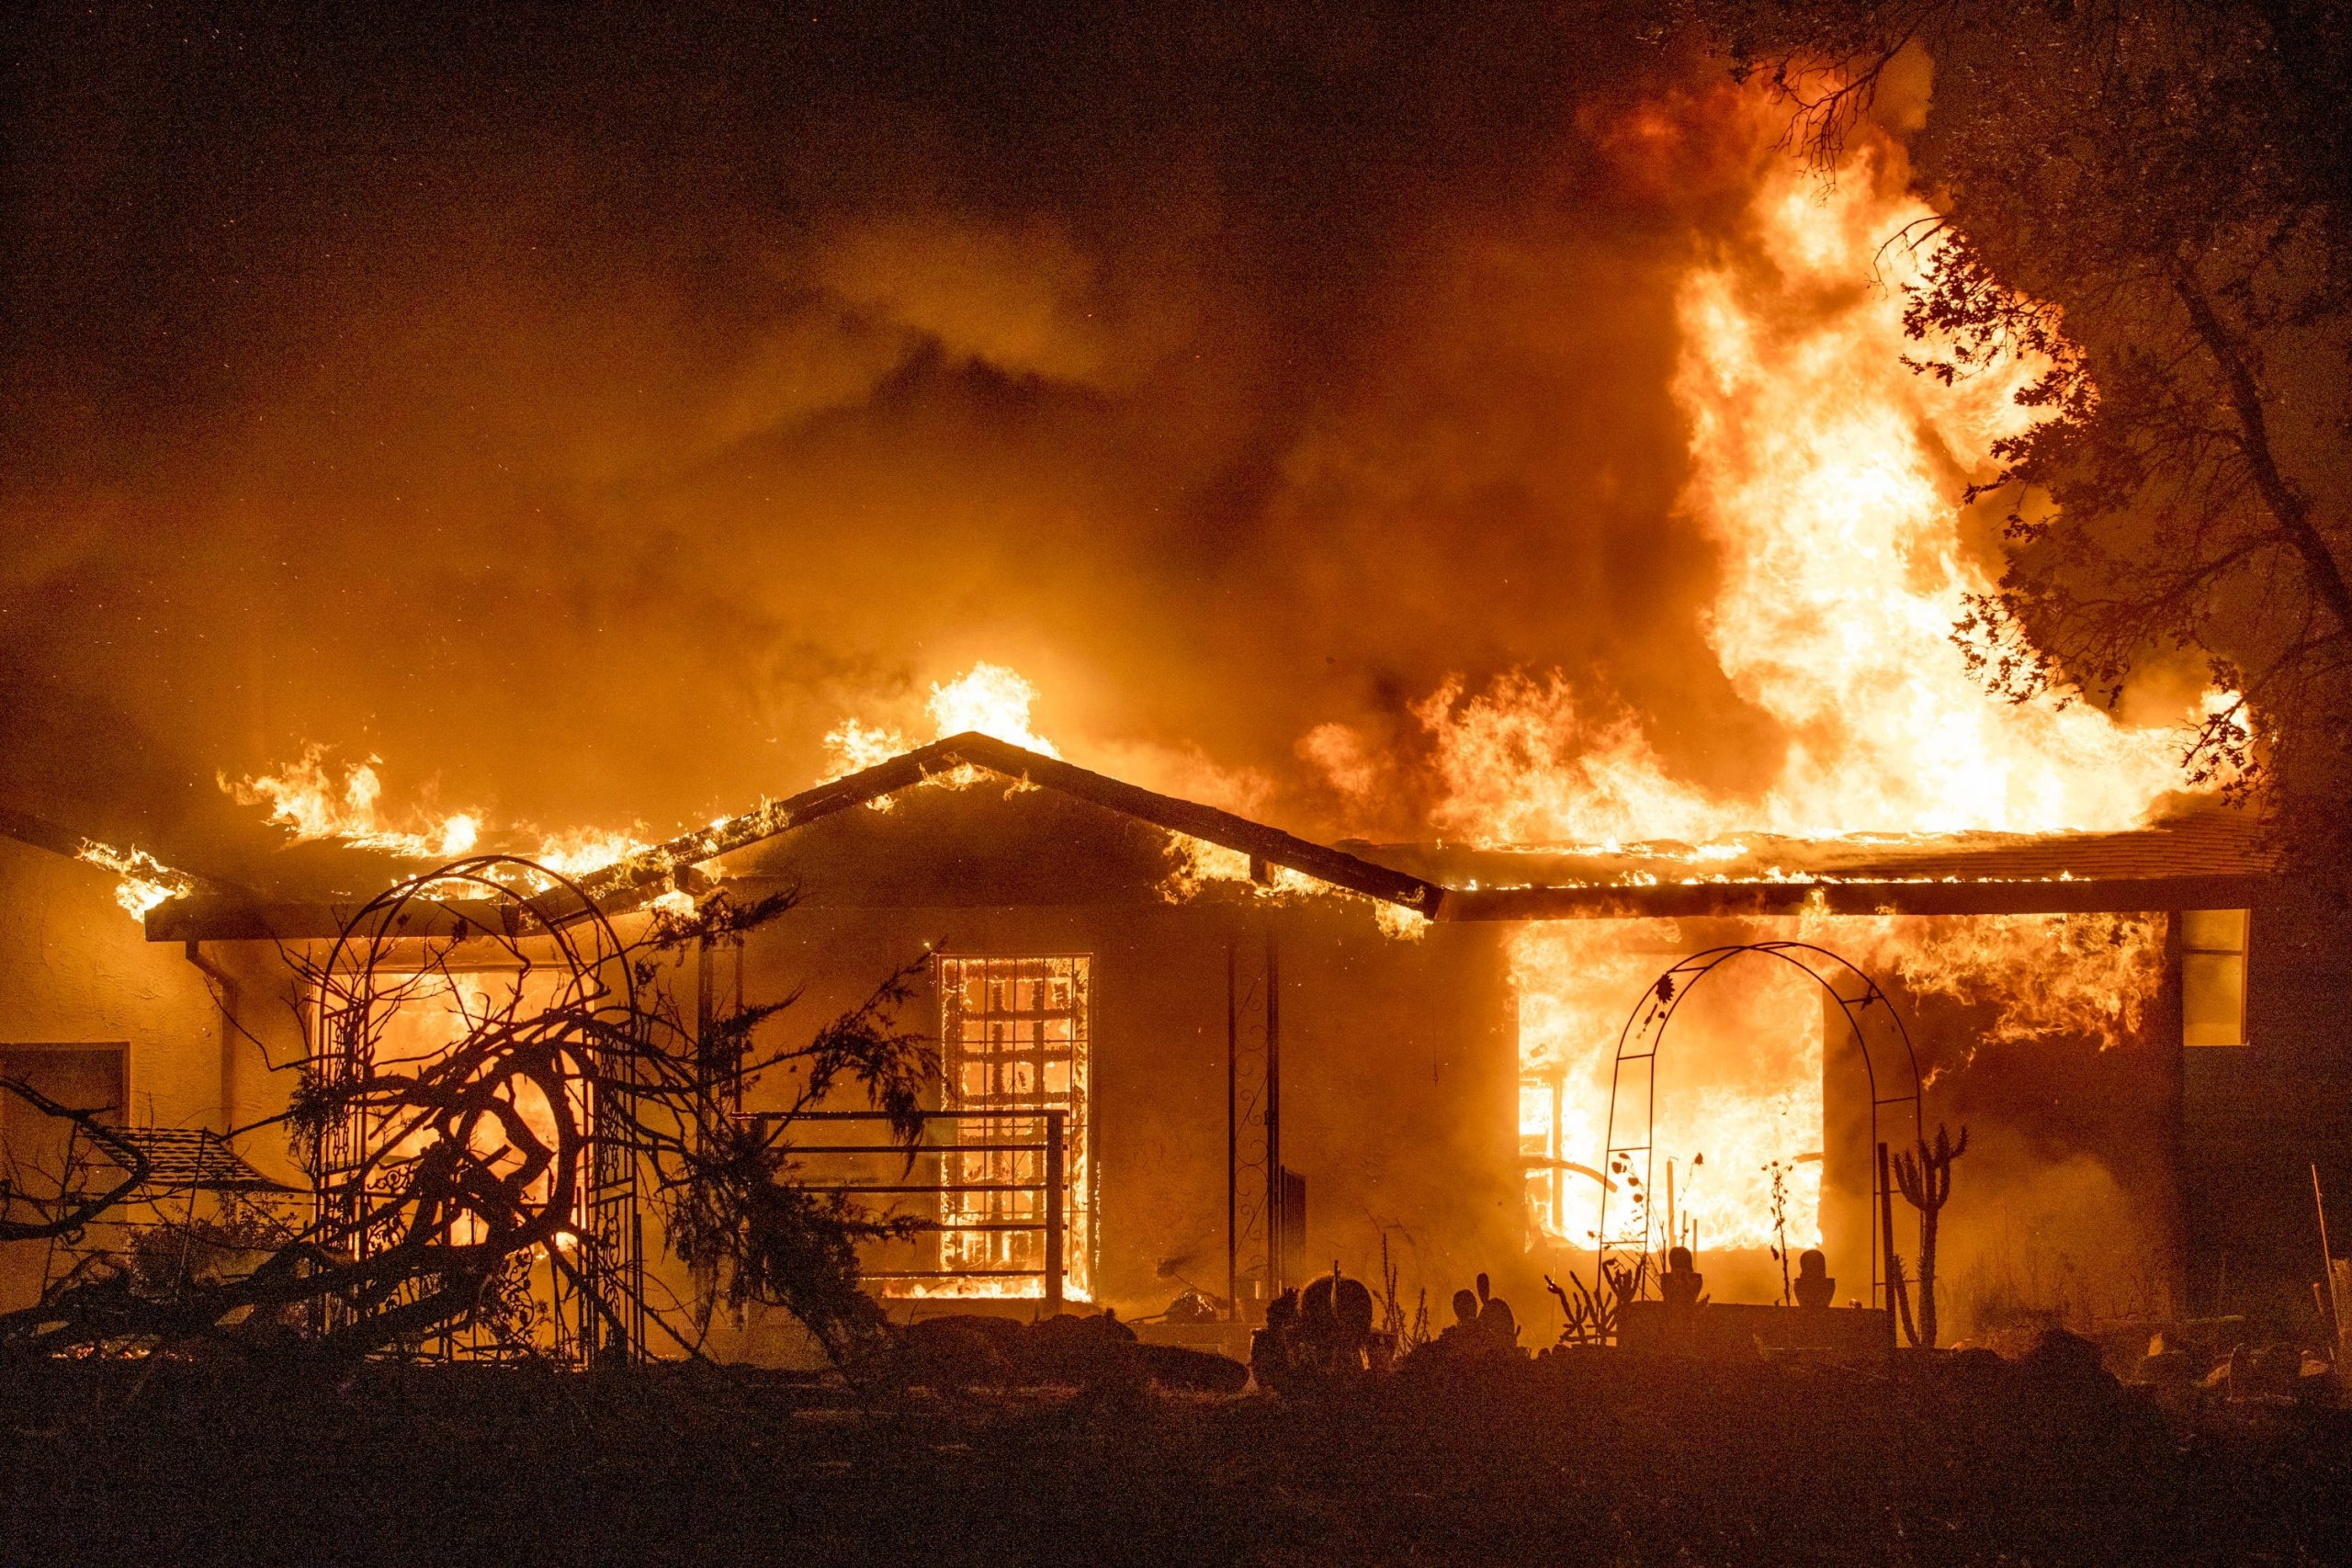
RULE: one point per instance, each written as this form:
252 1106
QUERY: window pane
2212 998
2213 930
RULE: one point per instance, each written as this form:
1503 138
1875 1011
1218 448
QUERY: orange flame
993 699
314 801
1825 468
145 882
582 849
306 800
1739 1083
1824 471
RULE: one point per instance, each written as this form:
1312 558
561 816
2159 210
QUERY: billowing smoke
585 413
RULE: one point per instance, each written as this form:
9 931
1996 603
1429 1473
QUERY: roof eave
2057 895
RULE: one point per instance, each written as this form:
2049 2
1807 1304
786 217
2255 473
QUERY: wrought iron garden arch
596 1302
1644 1033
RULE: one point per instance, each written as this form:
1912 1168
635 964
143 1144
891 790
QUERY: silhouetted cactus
1923 1175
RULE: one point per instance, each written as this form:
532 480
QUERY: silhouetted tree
37 1206
445 1169
2152 197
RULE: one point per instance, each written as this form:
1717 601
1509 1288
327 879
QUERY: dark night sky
585 409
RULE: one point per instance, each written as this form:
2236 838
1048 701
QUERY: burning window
423 1016
2212 976
1014 1037
1738 1090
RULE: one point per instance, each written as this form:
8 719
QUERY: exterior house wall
2255 1119
1399 1060
1397 1094
1399 1057
76 969
2066 1203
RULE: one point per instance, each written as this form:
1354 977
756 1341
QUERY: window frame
1080 1256
118 1049
2184 951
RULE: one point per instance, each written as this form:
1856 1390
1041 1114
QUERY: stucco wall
1399 1057
2255 1119
74 966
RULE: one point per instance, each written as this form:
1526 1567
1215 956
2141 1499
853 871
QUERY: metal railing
1052 1225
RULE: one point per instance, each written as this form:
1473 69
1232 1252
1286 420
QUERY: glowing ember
969 1288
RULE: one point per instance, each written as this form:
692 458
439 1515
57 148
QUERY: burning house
1179 1051
1600 971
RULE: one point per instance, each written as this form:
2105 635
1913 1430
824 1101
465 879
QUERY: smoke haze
586 412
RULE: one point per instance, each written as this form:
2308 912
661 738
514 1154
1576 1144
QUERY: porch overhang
1921 897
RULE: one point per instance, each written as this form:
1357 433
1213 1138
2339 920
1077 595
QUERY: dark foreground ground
1597 1458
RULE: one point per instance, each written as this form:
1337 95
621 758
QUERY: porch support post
1277 1220
1232 1140
1054 1121
1886 1243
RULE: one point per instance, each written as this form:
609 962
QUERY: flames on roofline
658 870
652 871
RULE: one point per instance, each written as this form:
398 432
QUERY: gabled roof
2207 859
653 870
